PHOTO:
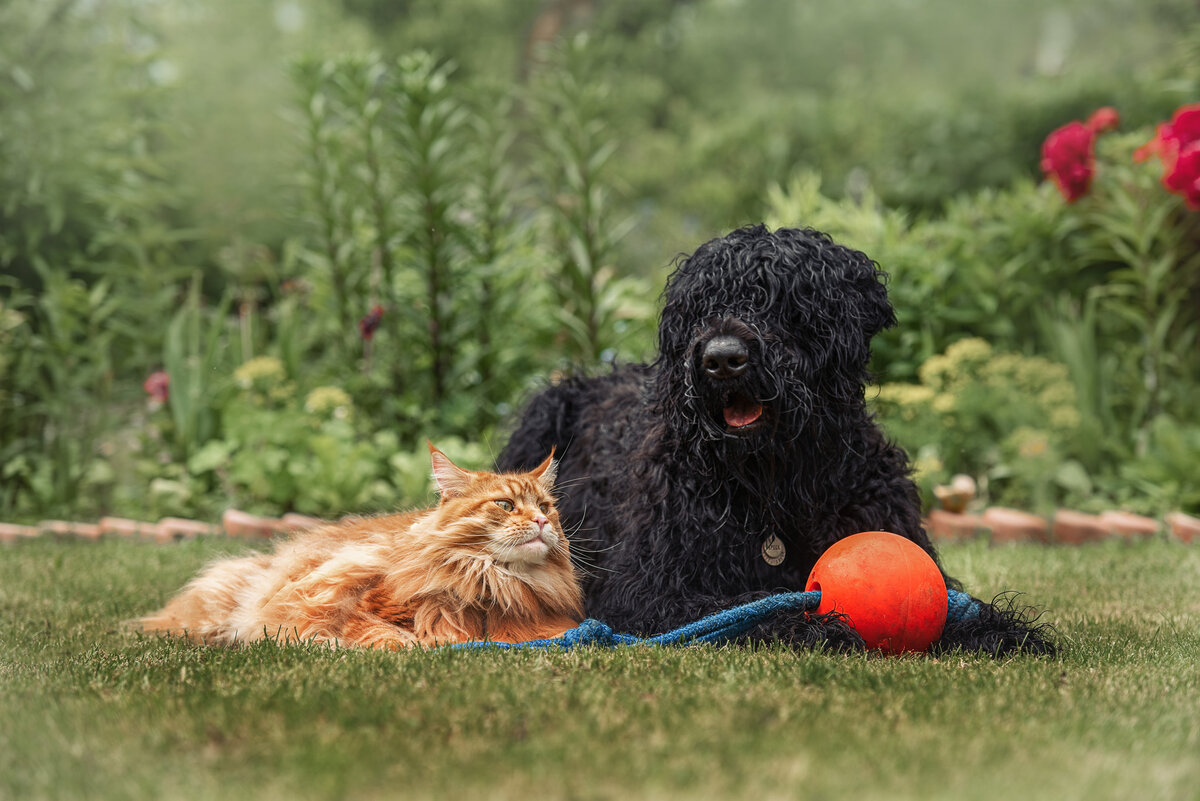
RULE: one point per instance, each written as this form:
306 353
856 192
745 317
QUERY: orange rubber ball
889 589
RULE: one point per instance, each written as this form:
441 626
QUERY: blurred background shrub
257 254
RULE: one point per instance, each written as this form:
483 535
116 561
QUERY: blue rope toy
719 627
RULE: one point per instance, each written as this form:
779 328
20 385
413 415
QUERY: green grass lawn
90 710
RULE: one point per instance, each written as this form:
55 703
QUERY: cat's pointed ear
546 472
451 480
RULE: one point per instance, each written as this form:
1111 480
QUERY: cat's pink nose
541 522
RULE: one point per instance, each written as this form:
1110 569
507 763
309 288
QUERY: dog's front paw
806 631
1002 628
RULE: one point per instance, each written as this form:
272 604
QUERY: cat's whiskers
565 485
578 544
583 563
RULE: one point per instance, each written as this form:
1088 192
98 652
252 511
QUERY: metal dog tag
773 550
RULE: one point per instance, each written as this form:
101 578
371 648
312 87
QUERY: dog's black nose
725 357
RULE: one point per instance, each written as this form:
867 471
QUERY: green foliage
1166 475
416 207
514 216
919 101
1107 287
1149 247
86 246
280 450
508 263
595 304
1004 418
434 154
983 268
59 384
222 68
193 358
282 459
277 446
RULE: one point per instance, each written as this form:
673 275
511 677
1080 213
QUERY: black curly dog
719 473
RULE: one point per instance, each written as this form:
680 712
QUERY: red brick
69 530
58 529
173 529
1013 525
1129 525
946 526
1078 528
11 532
1185 528
86 531
243 524
130 529
292 522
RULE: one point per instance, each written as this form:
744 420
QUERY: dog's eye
504 504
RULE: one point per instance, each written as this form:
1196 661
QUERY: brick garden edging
234 523
997 525
1002 526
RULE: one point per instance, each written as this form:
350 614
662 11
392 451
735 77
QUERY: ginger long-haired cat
489 561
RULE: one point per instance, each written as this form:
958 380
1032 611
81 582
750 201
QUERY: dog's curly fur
673 474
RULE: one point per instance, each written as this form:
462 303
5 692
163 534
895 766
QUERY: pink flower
157 386
1068 158
368 324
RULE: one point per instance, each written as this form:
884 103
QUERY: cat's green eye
505 505
545 507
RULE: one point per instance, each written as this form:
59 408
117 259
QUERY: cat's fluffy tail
206 610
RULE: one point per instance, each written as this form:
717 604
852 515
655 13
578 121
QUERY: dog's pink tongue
742 413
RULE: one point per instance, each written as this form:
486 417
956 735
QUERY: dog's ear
863 306
874 312
849 280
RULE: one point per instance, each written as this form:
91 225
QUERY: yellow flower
329 402
934 371
943 403
1031 443
1064 417
260 373
905 394
926 464
970 351
907 400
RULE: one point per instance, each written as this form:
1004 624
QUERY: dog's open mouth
742 413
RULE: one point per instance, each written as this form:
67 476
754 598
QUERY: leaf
210 456
1073 477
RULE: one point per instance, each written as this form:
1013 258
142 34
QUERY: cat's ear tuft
546 472
451 480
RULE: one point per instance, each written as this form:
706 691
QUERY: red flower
1155 147
368 324
157 386
1068 158
1103 119
1069 152
1184 177
1177 145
